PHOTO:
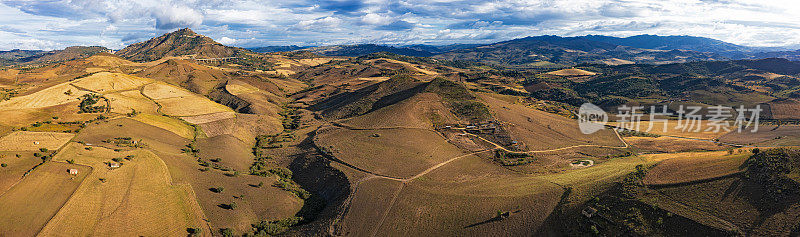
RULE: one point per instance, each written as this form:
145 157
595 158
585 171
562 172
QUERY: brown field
135 199
33 201
572 72
12 173
784 109
419 111
784 135
127 101
698 131
106 82
244 126
27 141
671 144
207 118
693 166
394 152
529 126
462 198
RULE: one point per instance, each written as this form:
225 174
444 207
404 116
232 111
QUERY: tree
226 232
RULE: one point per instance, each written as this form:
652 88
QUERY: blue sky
55 24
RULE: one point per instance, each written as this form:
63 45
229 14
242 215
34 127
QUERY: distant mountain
178 43
790 55
692 43
364 49
439 49
556 51
272 49
38 56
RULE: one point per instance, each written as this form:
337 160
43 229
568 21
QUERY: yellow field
52 96
29 205
207 118
27 141
673 130
238 87
137 199
571 72
179 102
170 124
671 144
106 82
127 101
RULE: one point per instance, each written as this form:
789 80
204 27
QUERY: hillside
44 57
177 43
555 51
364 49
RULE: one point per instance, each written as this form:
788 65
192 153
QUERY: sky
56 24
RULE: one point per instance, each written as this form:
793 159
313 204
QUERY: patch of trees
771 168
88 102
512 158
268 228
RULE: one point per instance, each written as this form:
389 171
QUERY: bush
3 165
217 189
226 232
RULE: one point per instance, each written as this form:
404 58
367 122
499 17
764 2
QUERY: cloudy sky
55 24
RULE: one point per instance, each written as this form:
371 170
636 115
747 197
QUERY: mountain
272 49
39 56
556 51
178 43
693 43
440 49
364 49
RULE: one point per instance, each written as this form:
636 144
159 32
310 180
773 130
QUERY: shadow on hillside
755 195
501 217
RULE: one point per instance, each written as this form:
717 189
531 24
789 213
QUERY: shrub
226 232
3 165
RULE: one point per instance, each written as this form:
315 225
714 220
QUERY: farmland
47 188
117 196
33 141
388 151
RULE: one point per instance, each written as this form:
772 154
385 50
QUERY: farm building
113 165
73 171
589 212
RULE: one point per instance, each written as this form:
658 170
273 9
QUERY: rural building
73 171
589 212
113 165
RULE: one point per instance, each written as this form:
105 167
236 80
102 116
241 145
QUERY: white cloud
302 22
226 41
